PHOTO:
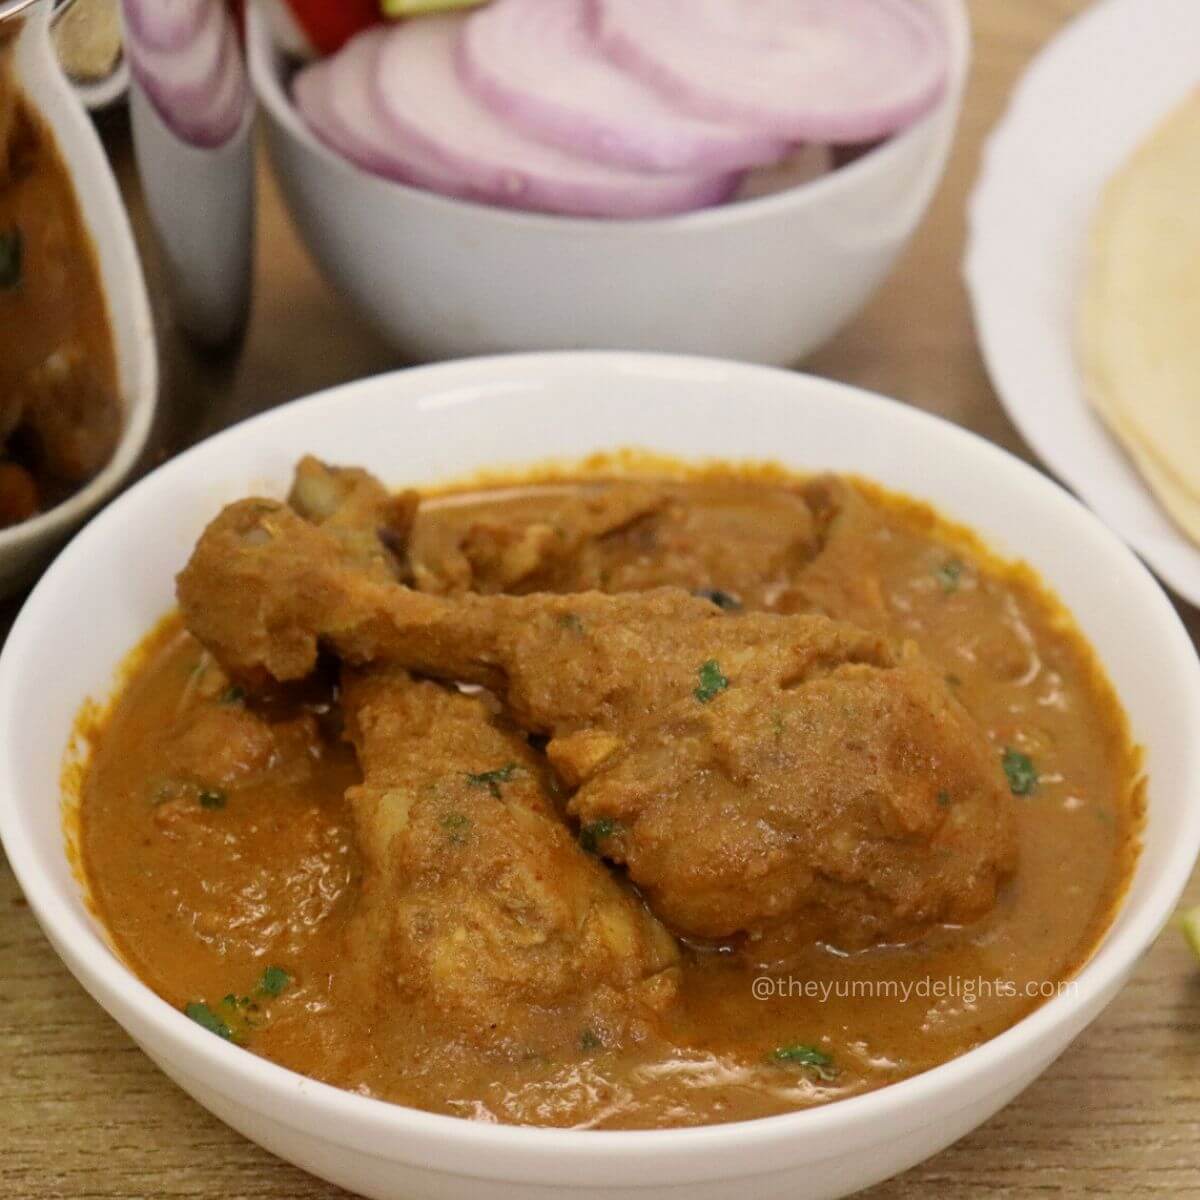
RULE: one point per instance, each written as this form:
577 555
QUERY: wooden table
84 1114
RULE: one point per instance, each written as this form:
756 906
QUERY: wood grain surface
84 1114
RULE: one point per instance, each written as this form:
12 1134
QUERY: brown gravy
203 893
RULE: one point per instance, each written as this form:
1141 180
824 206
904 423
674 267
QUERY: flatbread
1139 334
1180 502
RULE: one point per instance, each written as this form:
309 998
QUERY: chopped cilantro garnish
493 779
944 799
777 724
948 575
12 254
207 1019
233 1017
723 600
1022 774
805 1056
592 834
589 1040
273 982
212 798
232 695
711 681
456 825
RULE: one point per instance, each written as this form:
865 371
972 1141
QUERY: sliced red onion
164 24
201 90
211 125
217 122
537 64
810 70
336 96
419 90
187 77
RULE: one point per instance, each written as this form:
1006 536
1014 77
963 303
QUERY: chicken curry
60 405
609 801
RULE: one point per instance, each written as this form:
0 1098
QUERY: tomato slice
329 24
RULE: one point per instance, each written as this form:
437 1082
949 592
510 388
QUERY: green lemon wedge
416 8
1189 922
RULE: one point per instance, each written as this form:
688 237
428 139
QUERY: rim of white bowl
370 1126
90 170
273 97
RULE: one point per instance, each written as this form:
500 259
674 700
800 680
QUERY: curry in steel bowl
636 797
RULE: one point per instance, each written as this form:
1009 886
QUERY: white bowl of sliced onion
516 178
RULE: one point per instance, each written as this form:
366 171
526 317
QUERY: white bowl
766 280
24 547
440 422
201 202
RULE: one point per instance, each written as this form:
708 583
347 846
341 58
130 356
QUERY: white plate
1086 103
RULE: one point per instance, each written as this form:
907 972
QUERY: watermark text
968 989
